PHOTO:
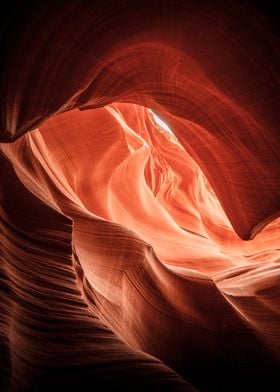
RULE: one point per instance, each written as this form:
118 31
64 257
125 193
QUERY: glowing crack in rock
161 123
131 259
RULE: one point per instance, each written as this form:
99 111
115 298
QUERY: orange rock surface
133 255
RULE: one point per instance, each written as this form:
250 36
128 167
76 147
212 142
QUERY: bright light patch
161 123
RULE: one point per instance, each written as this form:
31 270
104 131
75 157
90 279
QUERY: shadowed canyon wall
133 257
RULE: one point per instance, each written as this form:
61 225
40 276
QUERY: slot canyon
140 196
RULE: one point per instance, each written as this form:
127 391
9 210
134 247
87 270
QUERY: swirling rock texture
133 256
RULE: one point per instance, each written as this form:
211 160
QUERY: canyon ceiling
140 196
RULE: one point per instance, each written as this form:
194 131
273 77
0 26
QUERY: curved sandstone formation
131 256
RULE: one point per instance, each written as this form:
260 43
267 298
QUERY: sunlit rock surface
140 197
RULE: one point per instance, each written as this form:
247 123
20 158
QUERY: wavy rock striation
133 257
